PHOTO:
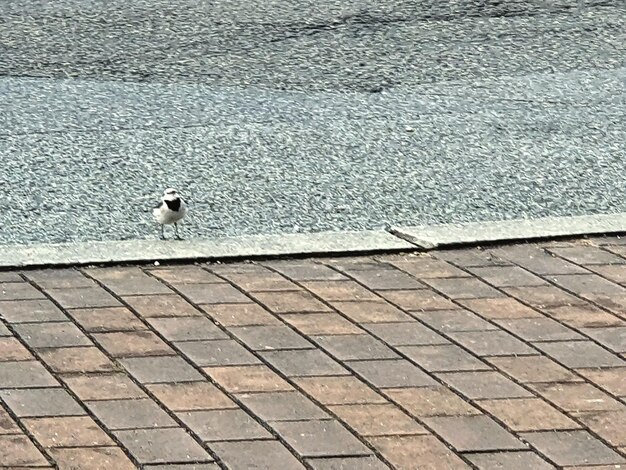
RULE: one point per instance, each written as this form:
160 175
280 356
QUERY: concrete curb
475 233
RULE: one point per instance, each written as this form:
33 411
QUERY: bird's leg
176 231
162 233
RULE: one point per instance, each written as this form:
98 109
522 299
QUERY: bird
171 210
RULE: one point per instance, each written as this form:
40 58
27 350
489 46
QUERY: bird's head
170 194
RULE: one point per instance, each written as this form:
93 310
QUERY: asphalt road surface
286 116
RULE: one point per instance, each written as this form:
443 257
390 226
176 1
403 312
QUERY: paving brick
305 271
387 279
354 347
492 343
473 433
247 379
499 308
81 359
282 406
185 275
464 288
99 320
17 450
187 329
404 451
581 284
4 331
426 267
183 466
583 316
348 463
69 431
544 296
217 353
392 374
321 324
377 420
223 425
572 448
35 311
471 257
92 457
270 337
508 461
212 294
483 385
353 263
371 312
10 277
607 424
303 363
580 354
417 300
577 397
128 281
160 369
339 390
132 343
83 297
290 302
130 414
532 369
51 335
262 454
454 320
586 254
405 334
59 278
19 291
149 306
537 260
36 402
431 401
613 272
259 282
191 396
320 438
507 276
103 387
240 315
528 414
443 358
162 446
539 329
12 350
238 267
612 380
7 424
24 374
612 338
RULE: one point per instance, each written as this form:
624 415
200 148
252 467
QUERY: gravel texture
306 116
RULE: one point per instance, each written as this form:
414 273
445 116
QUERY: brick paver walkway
510 357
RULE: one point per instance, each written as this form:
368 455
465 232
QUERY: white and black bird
171 210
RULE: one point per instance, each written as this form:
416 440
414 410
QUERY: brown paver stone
507 276
464 288
217 353
79 359
270 337
612 338
610 425
264 455
160 369
191 396
10 277
386 279
509 461
19 291
583 316
543 296
492 343
248 378
51 335
149 306
572 448
70 431
483 385
404 451
539 329
528 414
321 324
473 433
354 347
431 401
132 343
417 300
99 320
613 272
580 354
290 302
7 424
377 420
259 282
240 315
83 297
426 267
471 257
128 281
96 458
320 438
130 414
162 446
405 334
59 278
37 402
185 275
454 320
303 363
371 312
612 380
184 466
305 271
187 329
223 425
499 308
392 373
577 397
535 259
35 311
4 331
586 254
103 387
282 406
12 350
24 374
212 294
443 358
17 450
348 463
533 369
339 390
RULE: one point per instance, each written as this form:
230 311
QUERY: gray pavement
307 116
